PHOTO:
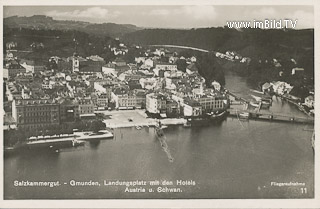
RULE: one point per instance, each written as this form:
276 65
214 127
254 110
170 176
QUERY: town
64 91
165 94
68 93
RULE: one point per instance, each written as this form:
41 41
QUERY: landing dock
271 117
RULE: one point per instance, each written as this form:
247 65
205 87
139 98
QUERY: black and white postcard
168 104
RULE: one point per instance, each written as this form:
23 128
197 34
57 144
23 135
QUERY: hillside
257 44
58 43
48 23
249 42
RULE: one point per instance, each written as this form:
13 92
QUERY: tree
181 65
97 125
210 69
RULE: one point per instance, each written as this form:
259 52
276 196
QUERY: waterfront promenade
132 118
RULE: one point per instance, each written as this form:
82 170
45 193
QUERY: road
183 47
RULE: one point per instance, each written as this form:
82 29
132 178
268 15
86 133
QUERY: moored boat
205 119
244 115
52 144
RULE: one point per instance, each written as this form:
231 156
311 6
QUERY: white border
194 203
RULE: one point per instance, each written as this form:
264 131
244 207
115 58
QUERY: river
233 159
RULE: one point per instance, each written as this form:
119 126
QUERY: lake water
234 159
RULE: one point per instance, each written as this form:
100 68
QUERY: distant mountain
48 23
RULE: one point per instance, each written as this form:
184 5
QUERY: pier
253 115
164 145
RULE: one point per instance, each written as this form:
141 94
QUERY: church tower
75 63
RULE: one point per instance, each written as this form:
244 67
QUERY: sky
161 16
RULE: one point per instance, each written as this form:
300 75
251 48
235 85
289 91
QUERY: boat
244 115
199 120
138 127
102 134
218 115
205 119
52 143
187 124
254 104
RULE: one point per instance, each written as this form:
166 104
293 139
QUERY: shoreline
150 123
132 118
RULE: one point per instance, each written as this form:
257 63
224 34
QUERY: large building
31 113
192 108
212 103
86 107
33 66
156 103
102 100
124 99
69 110
166 66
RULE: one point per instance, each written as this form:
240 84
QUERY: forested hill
58 43
42 22
248 42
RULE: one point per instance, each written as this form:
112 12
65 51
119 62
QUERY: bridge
275 117
182 47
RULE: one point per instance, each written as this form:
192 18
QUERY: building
140 60
109 69
86 107
119 62
31 113
309 101
140 98
69 110
123 99
102 100
75 64
297 70
86 66
191 108
159 52
12 70
11 45
266 87
171 74
210 103
281 88
156 103
172 108
166 66
48 84
148 83
191 69
148 63
216 85
33 66
95 58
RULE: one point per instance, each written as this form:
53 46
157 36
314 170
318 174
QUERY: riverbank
132 118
